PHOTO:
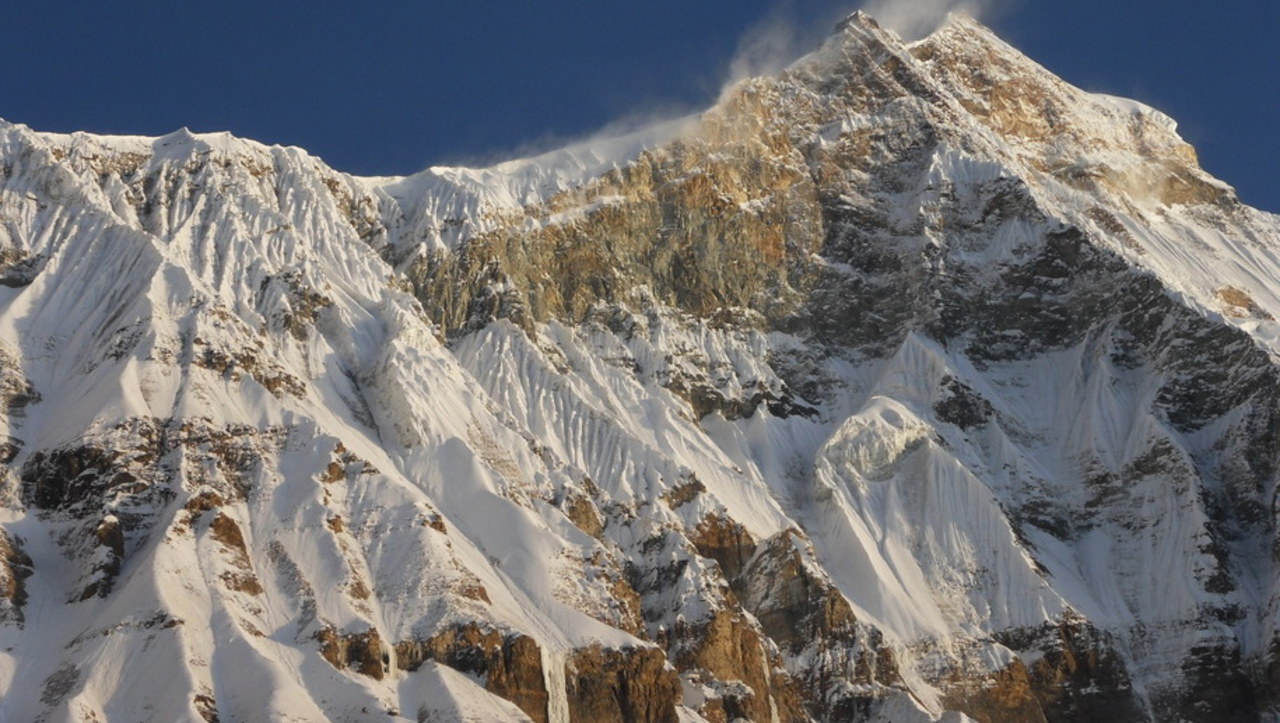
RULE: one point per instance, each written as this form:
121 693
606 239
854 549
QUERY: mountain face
909 384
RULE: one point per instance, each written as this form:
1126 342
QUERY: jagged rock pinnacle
857 18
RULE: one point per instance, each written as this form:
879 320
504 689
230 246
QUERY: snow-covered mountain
911 383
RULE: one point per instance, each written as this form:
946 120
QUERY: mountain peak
859 18
905 380
961 28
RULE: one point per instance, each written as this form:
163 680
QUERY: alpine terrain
908 384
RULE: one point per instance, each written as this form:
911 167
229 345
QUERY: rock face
15 568
907 383
622 686
511 666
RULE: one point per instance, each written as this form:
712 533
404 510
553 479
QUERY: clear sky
383 88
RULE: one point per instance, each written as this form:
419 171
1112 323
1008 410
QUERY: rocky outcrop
111 491
725 541
240 576
107 557
362 652
842 666
19 268
1074 672
15 568
1004 695
16 390
601 684
742 664
702 230
75 478
1219 687
620 686
509 664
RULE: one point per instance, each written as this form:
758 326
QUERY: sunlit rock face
908 383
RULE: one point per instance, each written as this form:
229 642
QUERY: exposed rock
107 558
235 365
241 576
74 477
962 406
436 522
19 268
16 390
510 664
621 686
9 449
288 301
731 650
1218 688
725 541
60 684
582 512
362 652
204 501
15 568
207 707
706 399
1271 675
334 472
674 221
684 492
1075 674
844 665
999 697
1238 303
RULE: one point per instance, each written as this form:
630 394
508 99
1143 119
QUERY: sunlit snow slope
906 384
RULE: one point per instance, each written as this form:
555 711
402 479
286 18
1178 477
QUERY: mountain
908 384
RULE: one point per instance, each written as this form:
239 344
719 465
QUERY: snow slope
909 383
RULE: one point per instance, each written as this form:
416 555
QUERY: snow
442 206
440 693
1136 108
232 299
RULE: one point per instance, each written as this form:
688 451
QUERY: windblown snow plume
914 19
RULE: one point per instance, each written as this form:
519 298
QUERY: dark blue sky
388 88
